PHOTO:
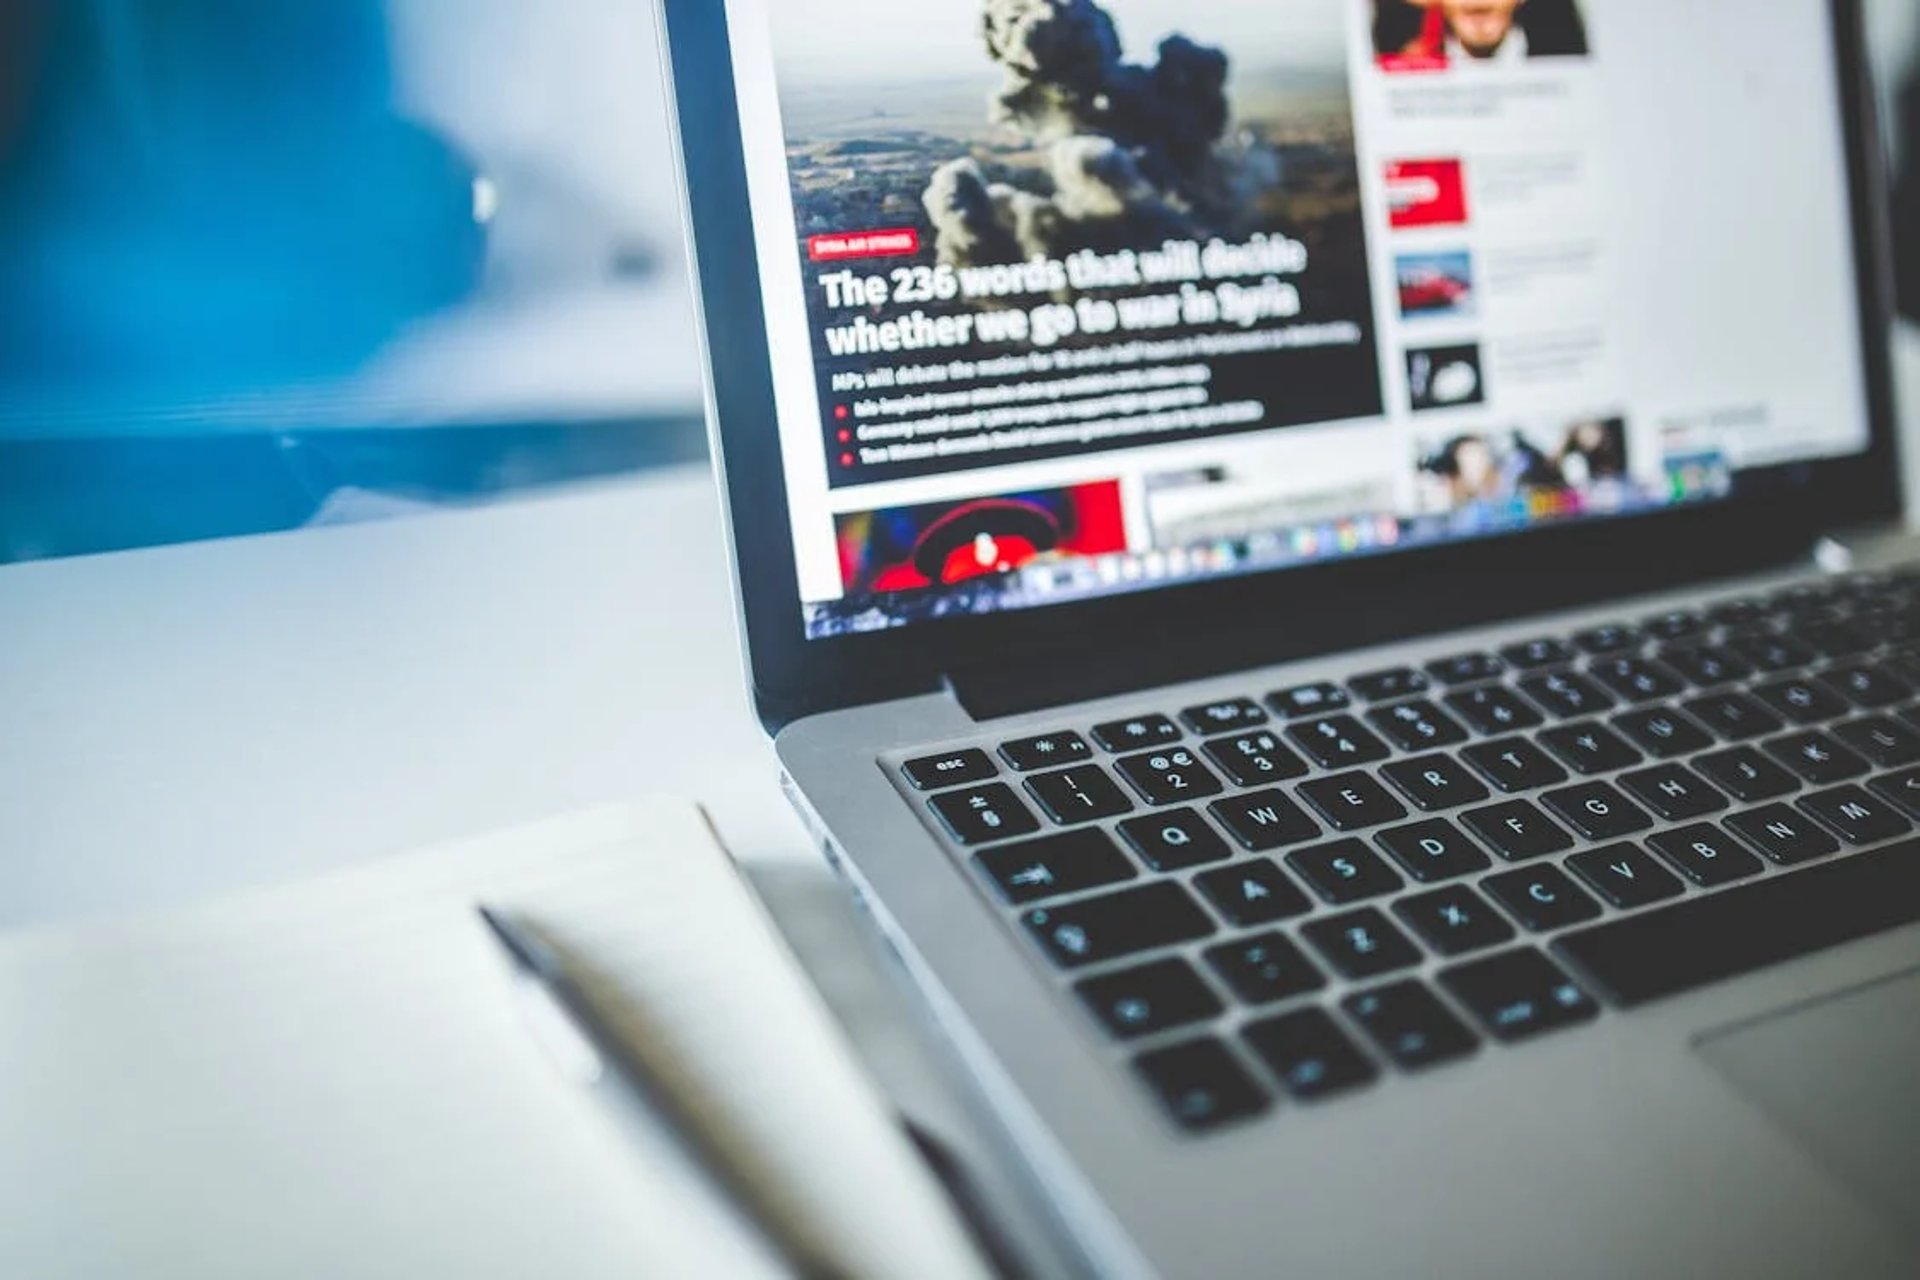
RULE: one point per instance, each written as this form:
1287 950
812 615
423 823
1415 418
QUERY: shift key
1070 862
1118 924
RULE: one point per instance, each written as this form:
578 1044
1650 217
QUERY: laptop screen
1069 298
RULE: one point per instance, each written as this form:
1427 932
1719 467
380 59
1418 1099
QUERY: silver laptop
1328 572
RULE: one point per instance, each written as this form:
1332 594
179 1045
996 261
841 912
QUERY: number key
1081 794
1338 741
1494 708
1168 777
1417 726
1566 694
979 814
1254 759
1223 717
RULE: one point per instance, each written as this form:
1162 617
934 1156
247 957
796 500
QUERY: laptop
1329 573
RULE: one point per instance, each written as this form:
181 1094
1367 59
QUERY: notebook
334 1079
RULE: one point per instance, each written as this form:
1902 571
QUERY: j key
1118 924
1514 764
1566 694
1857 816
1541 898
1417 726
950 770
1408 1024
1637 679
1537 653
1066 863
1605 641
1802 701
1361 944
1662 732
1265 968
979 814
1901 788
1494 708
1454 920
1519 994
1745 774
1867 686
1466 668
1433 851
1675 626
1169 776
1045 751
1625 875
1201 1084
1352 801
1772 653
1337 742
1816 757
1517 830
1705 855
1310 1055
1253 892
1344 871
1254 759
1174 840
1888 743
1224 717
1152 997
1733 716
1263 820
1081 794
1706 665
1597 811
1379 686
1309 700
1434 782
1673 791
1590 748
1137 733
1785 836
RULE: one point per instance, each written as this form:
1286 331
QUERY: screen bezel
1771 513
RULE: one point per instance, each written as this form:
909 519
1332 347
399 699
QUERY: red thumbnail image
946 542
1426 193
842 246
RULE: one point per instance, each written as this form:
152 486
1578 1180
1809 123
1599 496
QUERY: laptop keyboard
1296 894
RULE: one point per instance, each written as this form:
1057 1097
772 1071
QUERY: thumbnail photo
1435 285
1433 35
941 543
1426 193
1445 377
1553 470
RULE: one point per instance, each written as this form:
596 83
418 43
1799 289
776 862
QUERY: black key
1675 626
1080 794
1118 924
1867 686
1224 717
1802 701
1171 776
1173 840
1736 613
1706 665
1537 653
1379 686
1254 759
1434 782
1309 700
1361 944
1689 944
1152 997
1673 791
1834 639
1338 742
1253 892
1608 640
1514 764
1637 679
1433 851
1417 726
1454 920
1045 751
1733 716
1064 863
1265 968
1745 774
1494 708
1816 757
1520 994
1344 871
1597 811
1408 1024
1310 1055
1888 743
1857 816
1136 734
1901 788
1263 820
1517 830
953 769
1782 834
1625 875
1201 1084
1705 855
1663 732
1541 898
1466 668
1352 801
1590 748
980 814
1771 652
1566 694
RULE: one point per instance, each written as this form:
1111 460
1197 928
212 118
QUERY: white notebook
334 1079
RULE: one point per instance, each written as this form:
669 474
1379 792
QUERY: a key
1858 817
1514 764
1309 700
1662 732
1517 830
1783 835
1745 774
1309 1054
1733 716
1409 1025
1361 944
1417 726
1344 871
1566 694
1816 757
1537 653
1046 751
1673 791
1888 743
1519 994
1625 875
1201 1084
1225 716
979 814
1596 811
1609 639
1262 820
1494 708
1637 679
1379 686
1083 793
1252 892
1706 665
1172 775
1541 897
1337 742
1466 668
1254 759
1434 782
1705 855
1590 748
1174 839
1148 998
1867 686
1802 701
1454 920
1352 801
1070 862
1136 734
953 769
1265 969
1433 851
1091 930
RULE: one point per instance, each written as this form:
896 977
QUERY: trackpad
1842 1076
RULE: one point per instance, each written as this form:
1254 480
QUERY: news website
1071 297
